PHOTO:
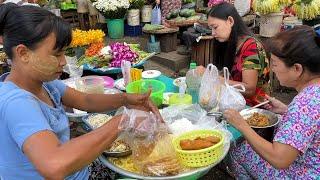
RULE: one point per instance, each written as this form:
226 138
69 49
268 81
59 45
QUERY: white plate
119 84
179 81
151 74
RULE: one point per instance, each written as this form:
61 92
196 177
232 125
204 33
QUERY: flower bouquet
112 9
307 9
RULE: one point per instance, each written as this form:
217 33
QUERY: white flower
105 51
111 5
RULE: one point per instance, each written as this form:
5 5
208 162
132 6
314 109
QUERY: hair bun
4 10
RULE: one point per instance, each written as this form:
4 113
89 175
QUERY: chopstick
260 104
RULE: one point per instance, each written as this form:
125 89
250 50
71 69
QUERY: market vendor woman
35 135
237 49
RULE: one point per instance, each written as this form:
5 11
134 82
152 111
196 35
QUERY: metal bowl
273 118
194 174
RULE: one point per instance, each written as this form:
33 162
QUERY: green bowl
142 86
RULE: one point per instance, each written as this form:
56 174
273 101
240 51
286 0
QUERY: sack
209 91
231 98
156 15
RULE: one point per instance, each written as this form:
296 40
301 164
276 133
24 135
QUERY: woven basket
199 158
182 23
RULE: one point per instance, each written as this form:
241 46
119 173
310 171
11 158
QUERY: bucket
133 17
115 28
146 13
290 22
270 24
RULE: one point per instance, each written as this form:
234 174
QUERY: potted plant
134 12
114 11
308 11
271 15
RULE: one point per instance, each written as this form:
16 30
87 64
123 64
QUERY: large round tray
194 174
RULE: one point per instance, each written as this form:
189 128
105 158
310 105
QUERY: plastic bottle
193 81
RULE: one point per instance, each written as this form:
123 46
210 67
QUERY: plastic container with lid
180 99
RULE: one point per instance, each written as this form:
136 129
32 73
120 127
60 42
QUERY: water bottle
193 81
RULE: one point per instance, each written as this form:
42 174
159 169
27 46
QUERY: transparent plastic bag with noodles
231 98
209 92
152 151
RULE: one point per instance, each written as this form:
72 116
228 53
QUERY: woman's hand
235 119
142 102
276 106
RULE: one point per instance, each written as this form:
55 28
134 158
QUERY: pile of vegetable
183 14
98 55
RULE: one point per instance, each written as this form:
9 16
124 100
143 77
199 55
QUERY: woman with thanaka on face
237 49
35 135
295 150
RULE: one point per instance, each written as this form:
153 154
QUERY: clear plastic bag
156 15
231 98
150 142
210 88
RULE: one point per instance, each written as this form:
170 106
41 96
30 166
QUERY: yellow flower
82 38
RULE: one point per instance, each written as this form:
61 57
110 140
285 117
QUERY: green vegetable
152 27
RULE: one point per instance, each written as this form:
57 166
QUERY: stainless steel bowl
194 174
273 118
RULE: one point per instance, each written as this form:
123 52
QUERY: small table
167 38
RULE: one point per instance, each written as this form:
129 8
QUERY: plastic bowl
91 84
142 86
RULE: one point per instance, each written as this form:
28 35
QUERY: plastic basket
143 86
132 30
199 158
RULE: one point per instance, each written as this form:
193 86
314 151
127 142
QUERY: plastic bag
209 92
197 119
126 71
231 98
156 15
150 142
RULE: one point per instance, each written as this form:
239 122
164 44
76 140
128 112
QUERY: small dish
151 74
179 81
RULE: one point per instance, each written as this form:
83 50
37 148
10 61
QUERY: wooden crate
71 16
168 42
203 51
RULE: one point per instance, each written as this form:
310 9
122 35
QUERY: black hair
297 45
225 52
29 25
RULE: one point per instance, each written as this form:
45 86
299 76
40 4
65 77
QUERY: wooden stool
202 52
167 38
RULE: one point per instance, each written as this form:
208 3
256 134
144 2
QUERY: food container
143 86
202 157
267 131
91 84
